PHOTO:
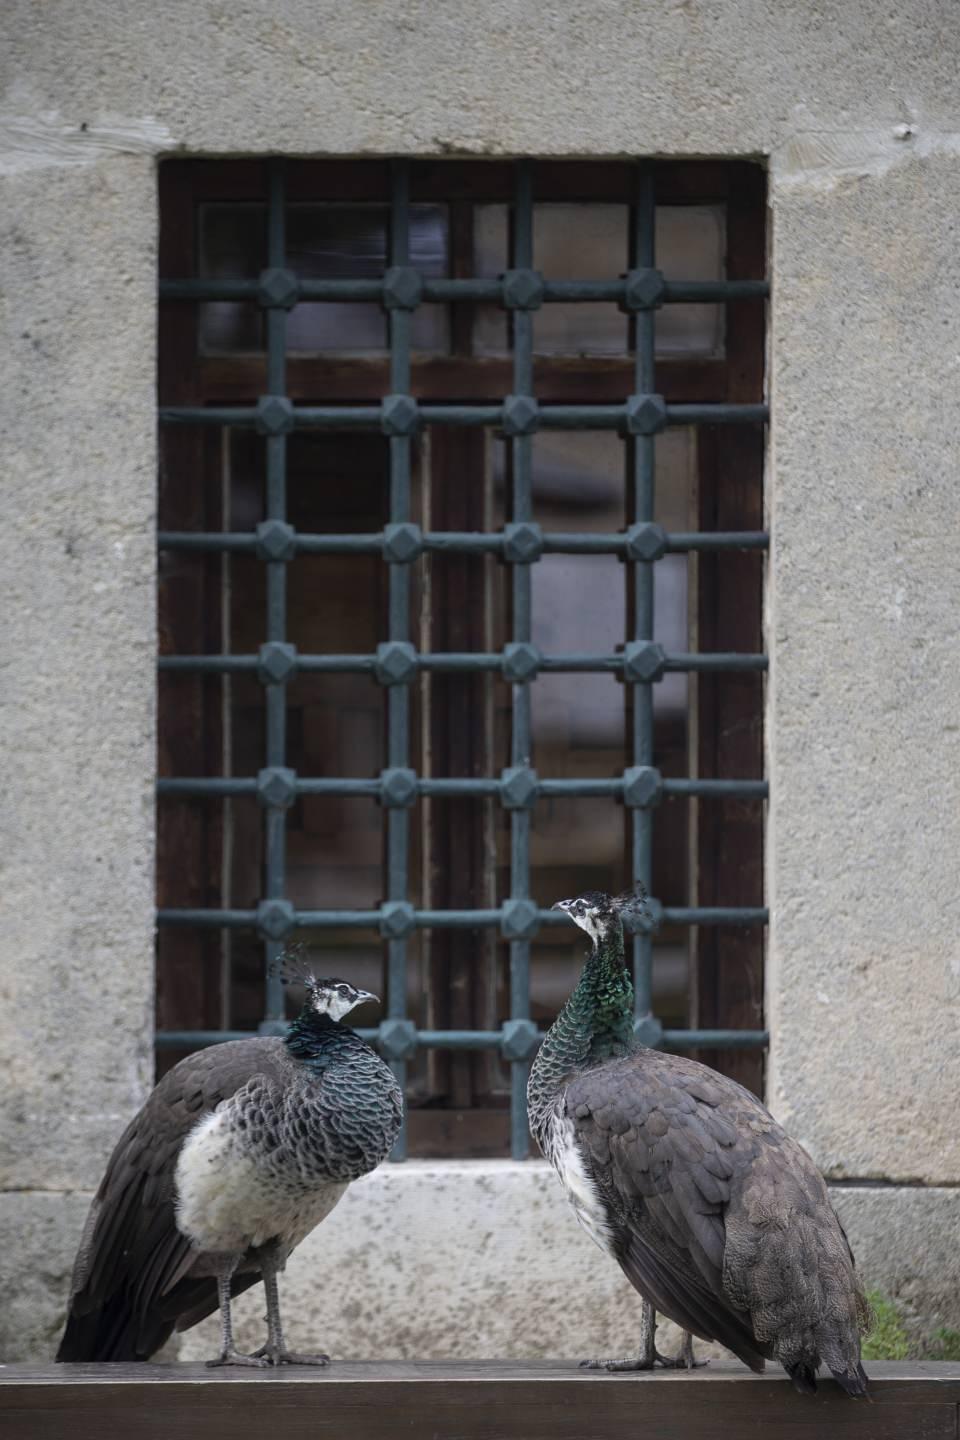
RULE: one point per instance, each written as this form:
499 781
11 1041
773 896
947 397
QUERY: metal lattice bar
484 1039
384 918
439 788
626 417
275 820
396 665
566 292
468 663
398 696
454 542
640 456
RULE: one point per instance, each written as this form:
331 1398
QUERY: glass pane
324 242
589 242
691 244
341 242
233 246
580 242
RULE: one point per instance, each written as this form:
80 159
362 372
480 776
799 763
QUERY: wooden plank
479 1401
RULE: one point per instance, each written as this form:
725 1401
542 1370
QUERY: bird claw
641 1362
236 1357
279 1355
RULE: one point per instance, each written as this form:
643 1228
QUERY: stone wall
856 109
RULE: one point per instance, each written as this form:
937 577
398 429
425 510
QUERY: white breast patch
227 1202
564 1155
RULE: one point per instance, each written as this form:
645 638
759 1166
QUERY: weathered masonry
849 121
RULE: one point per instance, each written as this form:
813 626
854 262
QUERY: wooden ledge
484 1400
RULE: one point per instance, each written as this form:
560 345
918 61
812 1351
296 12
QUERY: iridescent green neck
596 1024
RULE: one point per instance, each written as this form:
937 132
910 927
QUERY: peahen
717 1217
239 1152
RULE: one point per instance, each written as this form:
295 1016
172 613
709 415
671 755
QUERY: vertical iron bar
643 498
275 833
398 696
521 454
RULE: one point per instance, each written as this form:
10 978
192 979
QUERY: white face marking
590 921
588 917
336 1000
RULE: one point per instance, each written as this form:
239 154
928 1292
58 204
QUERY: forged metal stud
648 1030
278 289
643 660
396 662
522 542
646 541
402 542
642 785
276 540
397 919
643 289
277 786
521 1040
521 415
521 661
275 919
519 920
277 662
274 415
399 415
522 289
645 414
518 787
398 787
397 1039
402 288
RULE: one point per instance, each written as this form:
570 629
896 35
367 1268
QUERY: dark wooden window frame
726 988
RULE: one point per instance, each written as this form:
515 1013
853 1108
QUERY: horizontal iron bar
459 786
675 292
477 1039
464 542
440 919
452 662
370 417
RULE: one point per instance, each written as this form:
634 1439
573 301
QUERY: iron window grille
395 664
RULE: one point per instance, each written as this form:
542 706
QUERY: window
460 612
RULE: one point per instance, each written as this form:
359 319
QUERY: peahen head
600 915
335 998
330 997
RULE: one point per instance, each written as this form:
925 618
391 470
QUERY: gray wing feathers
131 1228
720 1215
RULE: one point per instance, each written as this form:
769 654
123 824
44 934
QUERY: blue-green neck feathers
316 1039
595 1025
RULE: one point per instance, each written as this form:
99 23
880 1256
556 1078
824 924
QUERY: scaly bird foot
234 1357
686 1360
640 1362
280 1355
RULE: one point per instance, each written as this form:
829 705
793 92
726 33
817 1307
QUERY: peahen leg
275 1351
649 1356
229 1354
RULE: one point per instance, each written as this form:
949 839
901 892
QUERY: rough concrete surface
469 1258
77 651
486 1259
864 703
709 77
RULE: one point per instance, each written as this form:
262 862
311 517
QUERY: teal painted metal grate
396 663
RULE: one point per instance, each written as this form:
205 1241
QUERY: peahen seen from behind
717 1217
239 1152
